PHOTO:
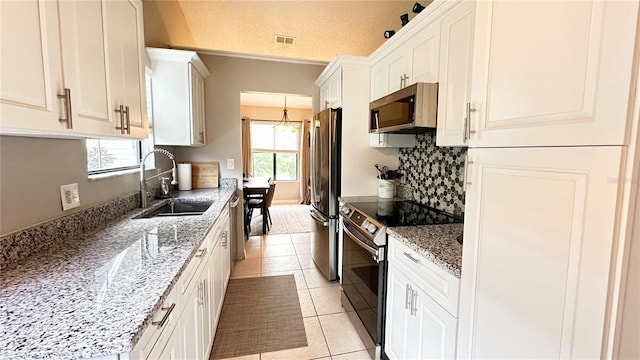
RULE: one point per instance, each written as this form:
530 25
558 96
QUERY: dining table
258 186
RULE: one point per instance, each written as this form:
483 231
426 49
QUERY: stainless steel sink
177 208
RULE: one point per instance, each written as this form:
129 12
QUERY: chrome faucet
144 192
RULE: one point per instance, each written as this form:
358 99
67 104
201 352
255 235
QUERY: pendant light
285 116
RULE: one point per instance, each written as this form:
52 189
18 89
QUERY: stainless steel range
364 266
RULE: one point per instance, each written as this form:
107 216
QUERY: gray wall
229 76
31 172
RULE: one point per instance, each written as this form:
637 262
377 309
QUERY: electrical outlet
231 164
69 196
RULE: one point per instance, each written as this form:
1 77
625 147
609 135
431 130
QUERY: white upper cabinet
411 56
178 97
125 53
539 231
454 87
68 65
30 68
83 44
331 91
423 55
552 72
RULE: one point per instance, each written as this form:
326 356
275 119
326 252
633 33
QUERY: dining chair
253 199
269 199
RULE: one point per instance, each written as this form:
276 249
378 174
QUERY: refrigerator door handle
319 219
315 165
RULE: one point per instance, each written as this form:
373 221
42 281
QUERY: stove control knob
365 223
372 228
345 210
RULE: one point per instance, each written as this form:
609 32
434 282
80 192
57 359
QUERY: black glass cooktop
404 213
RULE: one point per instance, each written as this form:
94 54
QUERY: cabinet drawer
436 282
160 328
202 254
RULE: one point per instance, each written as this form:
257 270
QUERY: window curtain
305 163
247 158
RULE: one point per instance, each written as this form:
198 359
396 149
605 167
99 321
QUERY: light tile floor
330 333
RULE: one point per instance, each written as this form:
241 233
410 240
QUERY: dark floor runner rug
259 315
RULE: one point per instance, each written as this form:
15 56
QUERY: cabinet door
218 278
226 259
197 107
538 235
30 68
190 327
379 80
424 51
433 334
454 85
126 73
565 83
171 350
205 306
85 66
398 70
398 326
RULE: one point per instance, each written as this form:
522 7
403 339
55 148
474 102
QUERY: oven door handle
319 219
377 256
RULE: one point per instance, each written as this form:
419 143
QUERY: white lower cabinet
185 326
417 326
171 349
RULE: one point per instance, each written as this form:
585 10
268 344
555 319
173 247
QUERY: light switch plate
69 196
231 164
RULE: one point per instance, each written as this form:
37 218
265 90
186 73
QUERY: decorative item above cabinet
178 97
77 71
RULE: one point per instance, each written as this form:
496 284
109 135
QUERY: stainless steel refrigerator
326 140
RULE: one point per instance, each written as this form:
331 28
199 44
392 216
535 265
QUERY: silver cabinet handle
417 261
120 111
414 306
467 123
403 80
205 297
67 108
224 236
466 171
201 136
201 252
127 120
201 293
407 296
165 317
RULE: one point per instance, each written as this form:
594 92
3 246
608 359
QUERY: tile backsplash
434 175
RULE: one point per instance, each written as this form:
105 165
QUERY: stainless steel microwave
412 110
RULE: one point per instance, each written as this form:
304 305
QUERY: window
112 155
275 150
104 156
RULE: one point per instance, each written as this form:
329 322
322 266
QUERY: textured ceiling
322 29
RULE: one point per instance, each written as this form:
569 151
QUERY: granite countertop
436 242
95 294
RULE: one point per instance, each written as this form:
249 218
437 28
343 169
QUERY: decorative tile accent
434 175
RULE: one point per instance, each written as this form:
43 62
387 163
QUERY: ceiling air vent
285 40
